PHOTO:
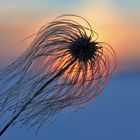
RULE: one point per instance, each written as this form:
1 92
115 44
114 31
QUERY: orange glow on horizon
115 28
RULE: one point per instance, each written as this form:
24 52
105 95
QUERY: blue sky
112 115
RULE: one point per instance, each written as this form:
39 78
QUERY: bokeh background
115 113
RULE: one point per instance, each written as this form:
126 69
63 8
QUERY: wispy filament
65 66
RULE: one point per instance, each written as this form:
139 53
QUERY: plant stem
35 95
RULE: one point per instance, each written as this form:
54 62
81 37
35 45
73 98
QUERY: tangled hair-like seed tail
68 55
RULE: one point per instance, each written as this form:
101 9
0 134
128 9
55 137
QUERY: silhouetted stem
35 95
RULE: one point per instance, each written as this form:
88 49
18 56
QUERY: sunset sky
114 114
116 21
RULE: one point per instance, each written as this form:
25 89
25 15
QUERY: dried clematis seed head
65 66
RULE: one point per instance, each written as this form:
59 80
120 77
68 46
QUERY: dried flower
64 67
